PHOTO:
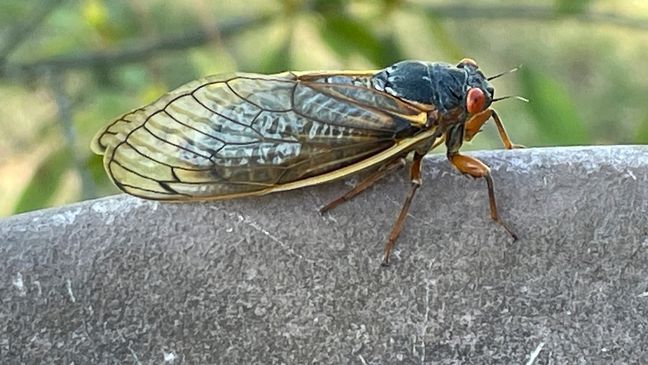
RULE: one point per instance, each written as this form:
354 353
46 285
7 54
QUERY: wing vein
192 128
150 191
161 162
175 145
134 172
294 110
228 118
253 103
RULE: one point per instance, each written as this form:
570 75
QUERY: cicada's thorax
438 87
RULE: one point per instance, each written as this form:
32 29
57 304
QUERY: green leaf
279 59
390 50
328 6
45 182
177 70
641 134
98 176
444 38
347 36
569 7
550 104
94 165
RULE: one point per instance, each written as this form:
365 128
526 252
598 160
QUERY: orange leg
415 178
475 168
474 124
364 184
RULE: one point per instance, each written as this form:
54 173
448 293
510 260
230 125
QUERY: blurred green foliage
45 182
583 67
553 105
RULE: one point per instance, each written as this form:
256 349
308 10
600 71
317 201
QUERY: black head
476 80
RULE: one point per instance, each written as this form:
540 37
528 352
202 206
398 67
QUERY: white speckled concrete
269 280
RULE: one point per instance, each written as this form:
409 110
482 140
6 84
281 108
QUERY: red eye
475 100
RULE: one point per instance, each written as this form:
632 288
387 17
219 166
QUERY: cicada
236 135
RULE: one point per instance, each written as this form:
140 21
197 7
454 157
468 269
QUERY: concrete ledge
269 280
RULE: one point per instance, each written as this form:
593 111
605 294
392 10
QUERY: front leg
475 168
474 124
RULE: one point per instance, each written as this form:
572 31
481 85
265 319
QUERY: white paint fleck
20 285
169 356
643 295
111 208
362 359
258 228
535 353
39 290
330 218
426 318
106 209
65 218
629 173
134 354
250 274
68 284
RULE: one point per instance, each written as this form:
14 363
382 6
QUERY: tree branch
135 52
536 13
64 114
144 51
24 29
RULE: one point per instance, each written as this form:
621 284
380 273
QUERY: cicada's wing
246 134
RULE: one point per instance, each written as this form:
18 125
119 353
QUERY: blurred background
68 67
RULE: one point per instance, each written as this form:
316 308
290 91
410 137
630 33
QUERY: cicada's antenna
504 73
508 96
511 97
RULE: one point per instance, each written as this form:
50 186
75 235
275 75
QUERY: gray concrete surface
270 281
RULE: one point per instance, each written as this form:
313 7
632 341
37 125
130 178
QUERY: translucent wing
246 134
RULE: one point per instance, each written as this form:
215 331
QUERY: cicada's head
479 92
454 89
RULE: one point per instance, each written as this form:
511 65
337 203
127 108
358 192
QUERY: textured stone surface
269 280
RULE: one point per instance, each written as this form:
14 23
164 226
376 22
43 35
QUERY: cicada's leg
364 184
415 178
506 141
475 168
474 124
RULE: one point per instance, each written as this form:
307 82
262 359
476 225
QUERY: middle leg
364 184
415 178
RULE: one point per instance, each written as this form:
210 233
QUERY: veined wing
246 134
